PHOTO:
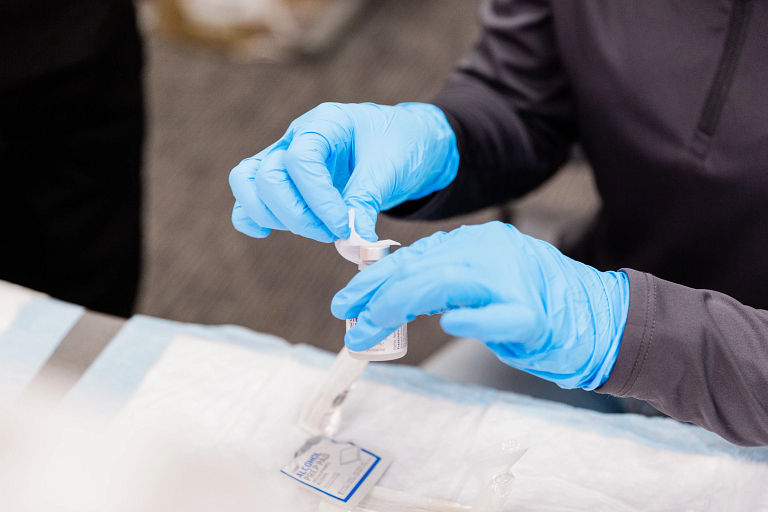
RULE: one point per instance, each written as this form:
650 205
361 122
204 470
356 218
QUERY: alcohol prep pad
341 471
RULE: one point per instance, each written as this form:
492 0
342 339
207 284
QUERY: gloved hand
337 156
535 308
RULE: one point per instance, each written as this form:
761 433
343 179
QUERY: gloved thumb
365 218
514 325
369 189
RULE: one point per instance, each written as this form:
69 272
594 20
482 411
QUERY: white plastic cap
360 251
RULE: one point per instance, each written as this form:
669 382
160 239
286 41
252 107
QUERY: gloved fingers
350 300
244 224
243 184
327 110
425 288
406 296
306 163
514 326
282 198
365 334
241 176
369 187
365 219
252 204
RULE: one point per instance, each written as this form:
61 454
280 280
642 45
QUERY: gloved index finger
241 177
282 198
426 287
314 144
431 285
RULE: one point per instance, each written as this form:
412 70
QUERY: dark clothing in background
71 131
670 103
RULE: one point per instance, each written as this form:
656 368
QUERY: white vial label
396 344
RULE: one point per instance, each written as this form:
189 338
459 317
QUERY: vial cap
358 250
373 253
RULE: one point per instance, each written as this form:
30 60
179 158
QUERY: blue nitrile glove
535 308
366 156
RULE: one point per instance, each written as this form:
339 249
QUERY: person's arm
699 356
696 355
510 107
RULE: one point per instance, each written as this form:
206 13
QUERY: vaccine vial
393 346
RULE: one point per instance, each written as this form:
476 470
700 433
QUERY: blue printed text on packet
341 471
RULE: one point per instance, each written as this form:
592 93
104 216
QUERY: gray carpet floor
207 113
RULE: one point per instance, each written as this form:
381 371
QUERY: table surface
242 391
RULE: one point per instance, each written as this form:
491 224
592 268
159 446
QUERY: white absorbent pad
12 299
243 401
31 327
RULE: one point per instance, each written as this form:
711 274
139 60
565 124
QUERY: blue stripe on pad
113 377
33 336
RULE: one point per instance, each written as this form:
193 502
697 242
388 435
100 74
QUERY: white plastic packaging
321 414
493 486
358 250
381 499
490 468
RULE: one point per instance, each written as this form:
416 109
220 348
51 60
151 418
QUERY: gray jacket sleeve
510 106
696 355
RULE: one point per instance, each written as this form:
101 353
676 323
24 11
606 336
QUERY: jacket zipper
726 69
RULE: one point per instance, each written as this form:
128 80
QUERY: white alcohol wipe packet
340 471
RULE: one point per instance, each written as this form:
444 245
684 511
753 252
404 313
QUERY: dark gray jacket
670 102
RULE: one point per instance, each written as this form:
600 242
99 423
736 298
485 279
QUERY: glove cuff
616 286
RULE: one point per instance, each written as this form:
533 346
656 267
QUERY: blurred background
216 97
222 80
